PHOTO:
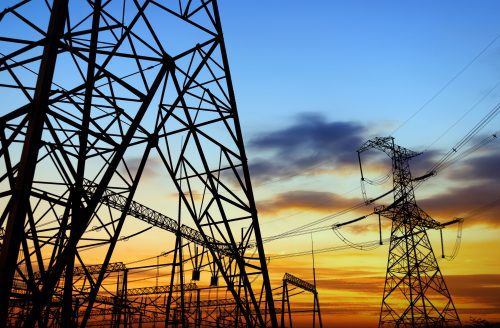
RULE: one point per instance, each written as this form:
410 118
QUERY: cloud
477 197
472 294
152 169
480 169
310 142
306 200
480 203
366 285
421 164
479 288
475 294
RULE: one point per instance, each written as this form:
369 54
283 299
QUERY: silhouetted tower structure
415 293
289 282
90 91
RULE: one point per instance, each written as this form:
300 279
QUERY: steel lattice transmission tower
415 293
90 90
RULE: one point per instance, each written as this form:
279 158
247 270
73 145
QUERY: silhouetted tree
481 323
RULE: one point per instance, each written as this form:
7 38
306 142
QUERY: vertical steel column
288 305
14 232
283 305
198 309
318 309
172 279
78 192
123 302
258 236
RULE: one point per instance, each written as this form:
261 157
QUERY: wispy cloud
311 141
478 289
478 195
482 169
152 169
306 200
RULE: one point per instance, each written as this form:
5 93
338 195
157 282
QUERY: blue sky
371 62
313 81
366 67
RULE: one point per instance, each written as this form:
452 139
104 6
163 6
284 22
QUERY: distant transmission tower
90 91
415 294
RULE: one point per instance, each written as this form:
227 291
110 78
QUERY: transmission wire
463 116
447 84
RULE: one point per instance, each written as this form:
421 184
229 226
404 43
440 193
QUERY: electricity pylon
90 90
415 293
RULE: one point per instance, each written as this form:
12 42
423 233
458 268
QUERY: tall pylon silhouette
91 90
415 293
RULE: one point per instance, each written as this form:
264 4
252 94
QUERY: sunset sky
313 81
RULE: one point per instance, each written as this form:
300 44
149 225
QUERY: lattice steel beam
161 221
293 280
152 290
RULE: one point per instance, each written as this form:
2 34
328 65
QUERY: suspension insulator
196 275
214 281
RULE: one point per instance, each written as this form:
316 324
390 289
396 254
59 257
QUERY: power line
368 244
463 116
442 163
445 162
447 84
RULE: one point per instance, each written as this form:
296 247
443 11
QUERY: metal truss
286 311
91 91
161 221
217 303
160 289
293 280
214 311
92 269
415 293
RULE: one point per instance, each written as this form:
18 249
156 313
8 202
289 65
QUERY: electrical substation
97 92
